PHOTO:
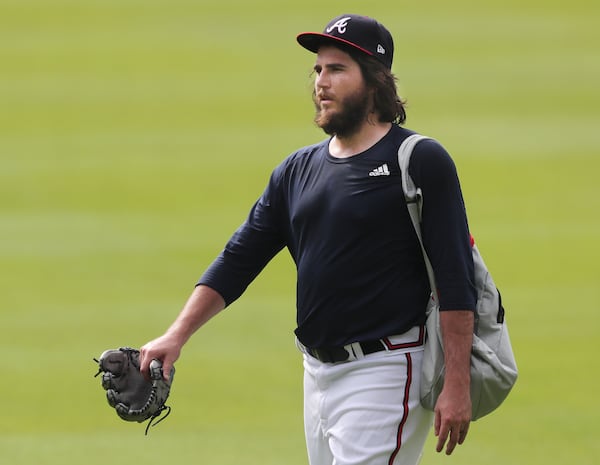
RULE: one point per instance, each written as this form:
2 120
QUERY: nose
322 80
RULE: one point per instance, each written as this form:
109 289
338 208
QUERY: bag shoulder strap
414 198
404 153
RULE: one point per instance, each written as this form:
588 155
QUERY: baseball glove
134 397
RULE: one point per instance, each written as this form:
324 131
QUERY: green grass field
134 137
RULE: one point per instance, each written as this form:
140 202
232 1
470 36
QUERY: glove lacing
151 421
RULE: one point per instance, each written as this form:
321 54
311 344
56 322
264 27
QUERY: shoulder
431 160
429 148
429 157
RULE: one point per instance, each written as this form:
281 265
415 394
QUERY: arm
244 256
446 239
203 304
453 408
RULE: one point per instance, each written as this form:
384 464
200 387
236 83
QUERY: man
362 286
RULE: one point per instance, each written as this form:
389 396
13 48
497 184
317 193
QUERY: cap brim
313 40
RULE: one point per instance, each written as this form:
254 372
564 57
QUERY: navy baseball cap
358 32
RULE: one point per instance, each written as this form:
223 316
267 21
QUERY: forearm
202 305
453 408
457 334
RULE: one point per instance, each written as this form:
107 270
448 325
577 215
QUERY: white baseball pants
365 411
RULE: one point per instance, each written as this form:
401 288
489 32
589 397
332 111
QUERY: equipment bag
493 366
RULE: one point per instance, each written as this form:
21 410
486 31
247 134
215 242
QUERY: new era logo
380 49
382 170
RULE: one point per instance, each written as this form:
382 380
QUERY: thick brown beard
353 113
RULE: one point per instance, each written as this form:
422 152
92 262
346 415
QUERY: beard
354 111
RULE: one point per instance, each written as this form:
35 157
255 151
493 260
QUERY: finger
167 374
145 364
442 437
463 433
166 369
457 437
437 423
452 440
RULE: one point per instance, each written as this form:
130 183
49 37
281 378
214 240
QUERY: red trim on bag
405 407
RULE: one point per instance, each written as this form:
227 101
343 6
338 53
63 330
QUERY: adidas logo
380 171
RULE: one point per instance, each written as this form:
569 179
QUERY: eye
317 69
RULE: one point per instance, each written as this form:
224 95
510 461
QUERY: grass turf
134 137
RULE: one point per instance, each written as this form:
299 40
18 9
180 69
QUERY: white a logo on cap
380 49
340 25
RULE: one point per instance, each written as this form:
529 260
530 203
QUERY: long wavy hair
387 102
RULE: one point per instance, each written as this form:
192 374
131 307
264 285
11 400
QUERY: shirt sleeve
445 227
249 249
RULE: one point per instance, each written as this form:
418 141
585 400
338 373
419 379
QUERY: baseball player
362 288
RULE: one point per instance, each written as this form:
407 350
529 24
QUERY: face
341 97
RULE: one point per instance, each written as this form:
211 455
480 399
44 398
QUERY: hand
452 418
203 304
165 348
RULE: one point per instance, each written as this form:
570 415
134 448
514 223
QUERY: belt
341 354
413 338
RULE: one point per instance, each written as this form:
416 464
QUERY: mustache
318 96
324 96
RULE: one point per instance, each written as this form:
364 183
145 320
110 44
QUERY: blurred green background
134 137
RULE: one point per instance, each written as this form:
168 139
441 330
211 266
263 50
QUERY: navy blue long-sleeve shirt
360 270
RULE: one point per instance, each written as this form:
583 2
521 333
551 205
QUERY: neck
364 138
